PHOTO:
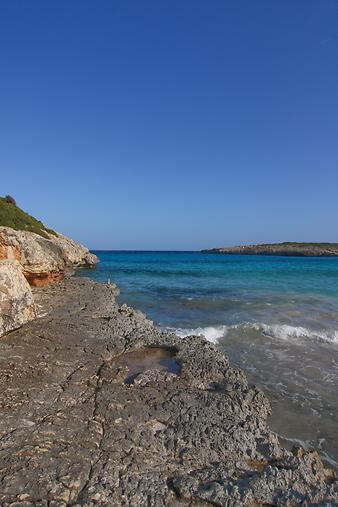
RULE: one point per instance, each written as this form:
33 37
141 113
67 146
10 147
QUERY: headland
285 249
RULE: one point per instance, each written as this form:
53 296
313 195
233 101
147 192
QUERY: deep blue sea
275 317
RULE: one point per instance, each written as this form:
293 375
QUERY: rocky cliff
31 254
285 249
43 259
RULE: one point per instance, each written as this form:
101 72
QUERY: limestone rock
74 253
16 300
74 433
43 260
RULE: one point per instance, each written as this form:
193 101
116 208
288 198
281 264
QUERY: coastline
285 249
74 433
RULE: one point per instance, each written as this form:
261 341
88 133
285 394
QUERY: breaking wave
279 331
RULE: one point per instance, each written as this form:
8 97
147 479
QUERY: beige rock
74 253
16 299
43 260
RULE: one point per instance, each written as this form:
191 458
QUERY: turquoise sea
275 317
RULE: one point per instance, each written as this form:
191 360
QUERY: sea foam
279 331
211 333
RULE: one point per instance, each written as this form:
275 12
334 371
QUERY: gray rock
73 433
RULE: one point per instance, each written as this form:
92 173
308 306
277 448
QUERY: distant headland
286 248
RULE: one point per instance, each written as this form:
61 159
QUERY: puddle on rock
148 358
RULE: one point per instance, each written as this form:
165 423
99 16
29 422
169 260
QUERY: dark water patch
148 358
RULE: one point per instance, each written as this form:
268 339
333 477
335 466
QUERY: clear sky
174 124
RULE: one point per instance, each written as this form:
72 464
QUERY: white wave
284 332
211 333
279 331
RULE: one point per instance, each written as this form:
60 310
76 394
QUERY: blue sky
177 124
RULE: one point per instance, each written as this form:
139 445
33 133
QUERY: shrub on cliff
10 200
16 218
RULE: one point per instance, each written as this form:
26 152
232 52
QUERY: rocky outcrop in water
101 408
285 249
43 259
16 299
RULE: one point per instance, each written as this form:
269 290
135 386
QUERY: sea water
275 317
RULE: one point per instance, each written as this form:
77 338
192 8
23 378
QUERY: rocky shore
285 249
30 260
101 408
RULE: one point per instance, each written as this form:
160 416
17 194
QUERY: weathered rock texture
288 249
16 299
72 433
43 260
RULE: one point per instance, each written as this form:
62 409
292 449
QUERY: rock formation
43 260
285 249
89 419
30 250
16 299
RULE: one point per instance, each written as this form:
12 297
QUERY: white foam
211 333
279 331
284 332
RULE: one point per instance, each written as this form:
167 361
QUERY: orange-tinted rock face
43 279
43 260
8 251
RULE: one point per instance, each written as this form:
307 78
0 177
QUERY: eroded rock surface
43 260
72 433
16 299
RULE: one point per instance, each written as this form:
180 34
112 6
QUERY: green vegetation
16 218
